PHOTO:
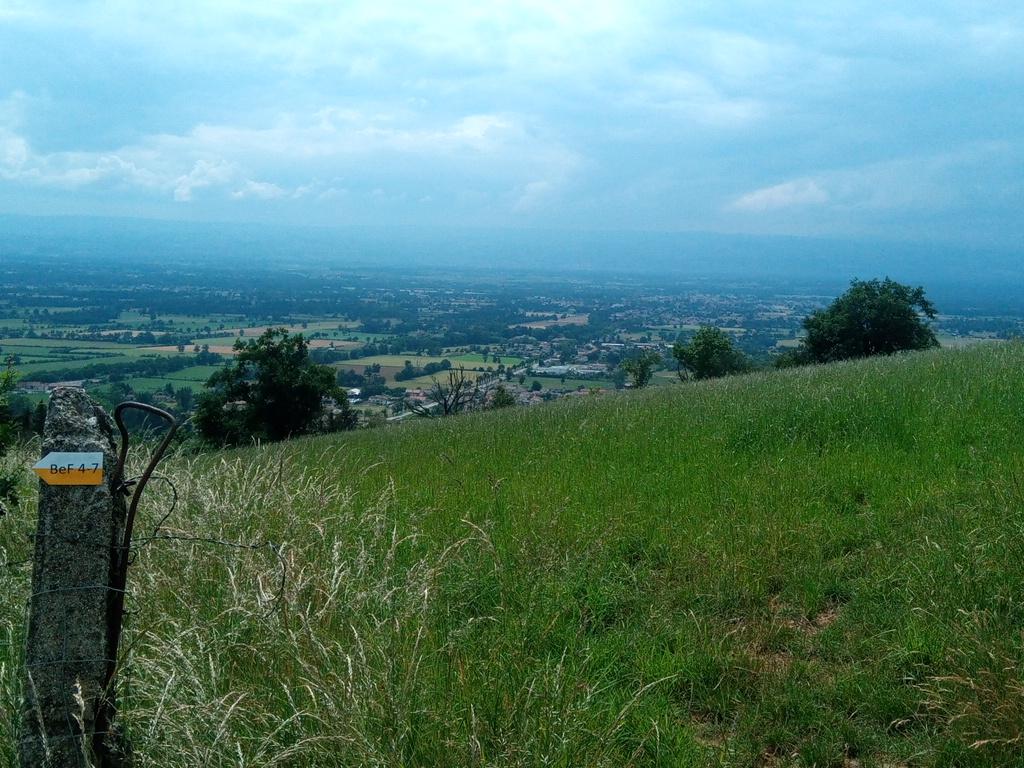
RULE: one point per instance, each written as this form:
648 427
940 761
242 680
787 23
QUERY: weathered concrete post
66 711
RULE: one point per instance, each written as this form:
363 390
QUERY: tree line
873 317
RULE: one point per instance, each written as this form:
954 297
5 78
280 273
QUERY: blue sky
903 121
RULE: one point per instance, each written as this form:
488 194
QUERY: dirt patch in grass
808 627
707 732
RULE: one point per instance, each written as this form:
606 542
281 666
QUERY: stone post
67 711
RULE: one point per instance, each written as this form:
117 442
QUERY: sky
894 120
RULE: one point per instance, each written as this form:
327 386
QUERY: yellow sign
68 468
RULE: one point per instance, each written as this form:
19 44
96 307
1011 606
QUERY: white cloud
203 174
263 190
790 194
360 38
997 38
13 153
333 133
18 10
287 158
875 196
532 194
690 96
331 193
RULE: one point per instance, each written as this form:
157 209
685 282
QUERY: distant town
156 332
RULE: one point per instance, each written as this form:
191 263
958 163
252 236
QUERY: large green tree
873 317
710 353
271 391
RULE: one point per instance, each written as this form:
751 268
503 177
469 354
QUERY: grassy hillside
816 567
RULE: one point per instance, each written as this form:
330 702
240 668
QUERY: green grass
422 382
198 373
392 364
70 364
471 359
948 340
182 323
73 362
810 567
220 341
155 384
16 344
46 355
394 360
193 378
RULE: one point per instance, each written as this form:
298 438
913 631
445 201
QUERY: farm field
78 358
398 361
392 364
225 345
947 340
183 323
36 356
548 382
151 384
425 382
324 330
75 359
476 360
193 378
18 345
580 319
815 567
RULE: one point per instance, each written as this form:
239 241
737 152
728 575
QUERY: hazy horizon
948 272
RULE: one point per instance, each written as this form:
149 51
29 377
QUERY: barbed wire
139 543
273 547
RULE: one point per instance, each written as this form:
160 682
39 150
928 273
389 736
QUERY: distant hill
821 566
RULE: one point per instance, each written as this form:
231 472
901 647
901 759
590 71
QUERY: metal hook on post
154 460
115 617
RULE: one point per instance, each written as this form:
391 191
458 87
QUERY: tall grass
817 567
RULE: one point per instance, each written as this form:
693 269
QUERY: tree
872 318
271 391
184 397
502 398
407 372
39 418
8 481
640 369
454 395
793 358
7 431
710 353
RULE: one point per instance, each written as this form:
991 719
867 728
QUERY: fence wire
69 667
